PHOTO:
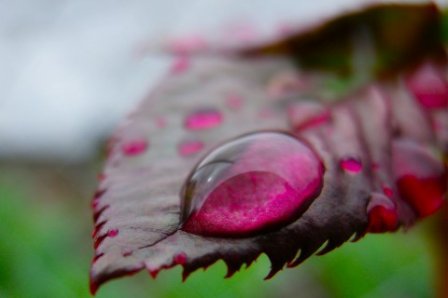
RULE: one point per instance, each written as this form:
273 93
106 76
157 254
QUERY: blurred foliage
46 251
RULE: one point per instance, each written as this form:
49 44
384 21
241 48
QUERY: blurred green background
45 251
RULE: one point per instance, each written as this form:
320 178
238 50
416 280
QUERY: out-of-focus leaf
375 39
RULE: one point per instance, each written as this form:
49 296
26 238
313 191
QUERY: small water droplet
190 147
112 233
388 191
382 214
180 258
351 165
180 65
203 119
134 147
420 176
429 86
307 115
252 183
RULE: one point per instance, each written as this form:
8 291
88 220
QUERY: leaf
231 157
138 205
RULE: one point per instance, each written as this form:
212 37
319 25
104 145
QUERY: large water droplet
420 176
203 119
256 182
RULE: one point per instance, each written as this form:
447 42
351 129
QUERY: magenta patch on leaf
134 147
429 86
382 219
253 183
190 147
203 119
112 233
180 258
420 177
388 191
382 214
351 165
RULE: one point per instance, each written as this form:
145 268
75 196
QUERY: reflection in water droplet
351 165
203 119
190 147
134 147
420 176
252 183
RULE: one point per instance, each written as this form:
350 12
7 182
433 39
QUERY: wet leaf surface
232 157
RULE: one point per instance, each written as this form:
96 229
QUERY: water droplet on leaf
428 85
382 213
112 233
420 176
134 147
253 183
203 119
190 147
351 165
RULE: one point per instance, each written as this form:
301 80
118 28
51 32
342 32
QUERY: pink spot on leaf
112 233
388 191
351 165
382 214
203 119
180 65
429 86
134 147
190 147
307 115
187 44
180 258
